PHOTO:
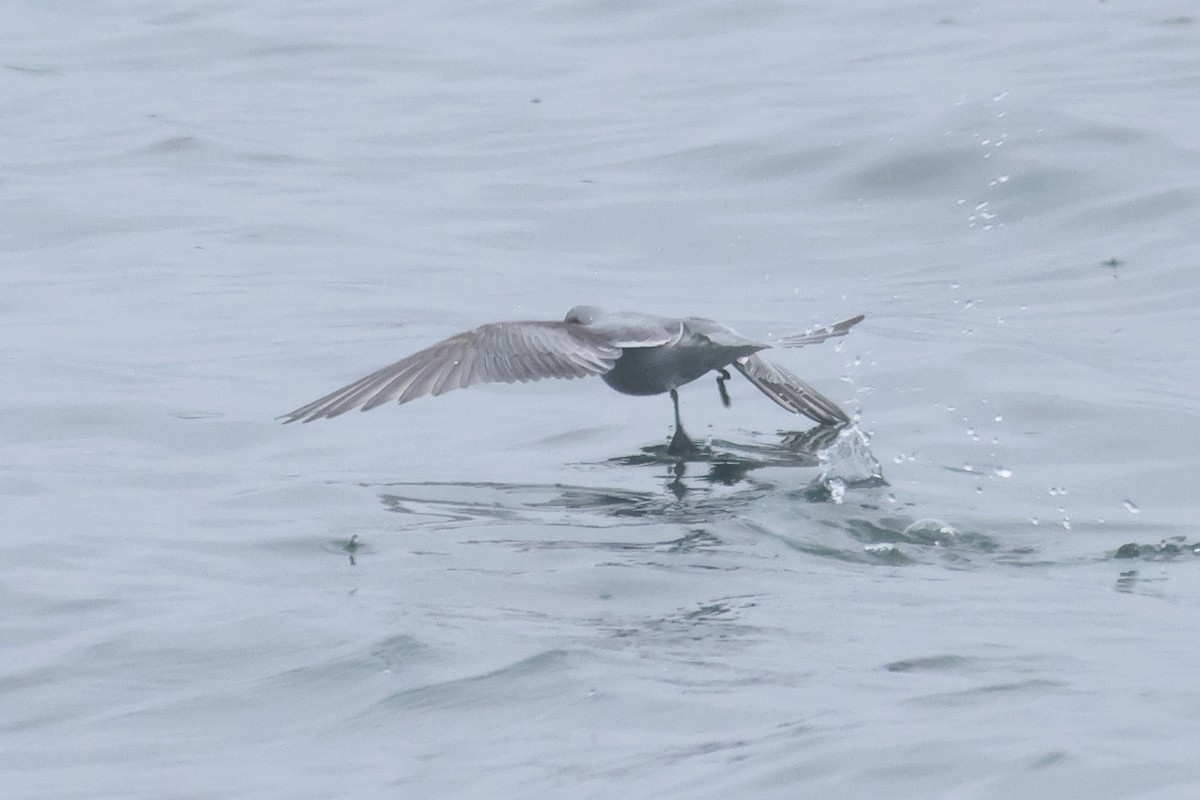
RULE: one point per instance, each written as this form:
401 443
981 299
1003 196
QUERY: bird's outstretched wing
790 392
502 352
820 334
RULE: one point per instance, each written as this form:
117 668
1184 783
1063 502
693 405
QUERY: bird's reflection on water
722 484
703 478
840 453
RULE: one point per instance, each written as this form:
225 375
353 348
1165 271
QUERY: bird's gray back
661 353
627 328
719 334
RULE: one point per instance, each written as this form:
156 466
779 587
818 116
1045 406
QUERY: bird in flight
636 354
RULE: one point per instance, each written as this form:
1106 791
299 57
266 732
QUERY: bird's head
583 315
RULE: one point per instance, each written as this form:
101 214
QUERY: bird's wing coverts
629 329
718 334
502 352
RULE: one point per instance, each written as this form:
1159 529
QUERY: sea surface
212 212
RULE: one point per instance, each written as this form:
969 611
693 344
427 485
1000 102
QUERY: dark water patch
913 174
943 663
1166 550
39 70
217 157
889 540
518 683
1033 686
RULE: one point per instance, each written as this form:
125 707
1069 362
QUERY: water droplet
898 459
1066 523
1131 507
1004 472
837 490
1034 520
891 498
968 468
998 418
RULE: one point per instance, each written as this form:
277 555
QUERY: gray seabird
636 354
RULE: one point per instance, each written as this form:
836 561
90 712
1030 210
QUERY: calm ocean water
216 211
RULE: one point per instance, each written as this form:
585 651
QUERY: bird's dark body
657 370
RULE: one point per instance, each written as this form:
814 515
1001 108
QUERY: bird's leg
722 376
681 444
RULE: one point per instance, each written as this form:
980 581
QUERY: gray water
214 212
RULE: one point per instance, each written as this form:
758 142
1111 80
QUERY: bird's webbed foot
682 444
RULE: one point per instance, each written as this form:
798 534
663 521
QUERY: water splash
849 458
837 490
